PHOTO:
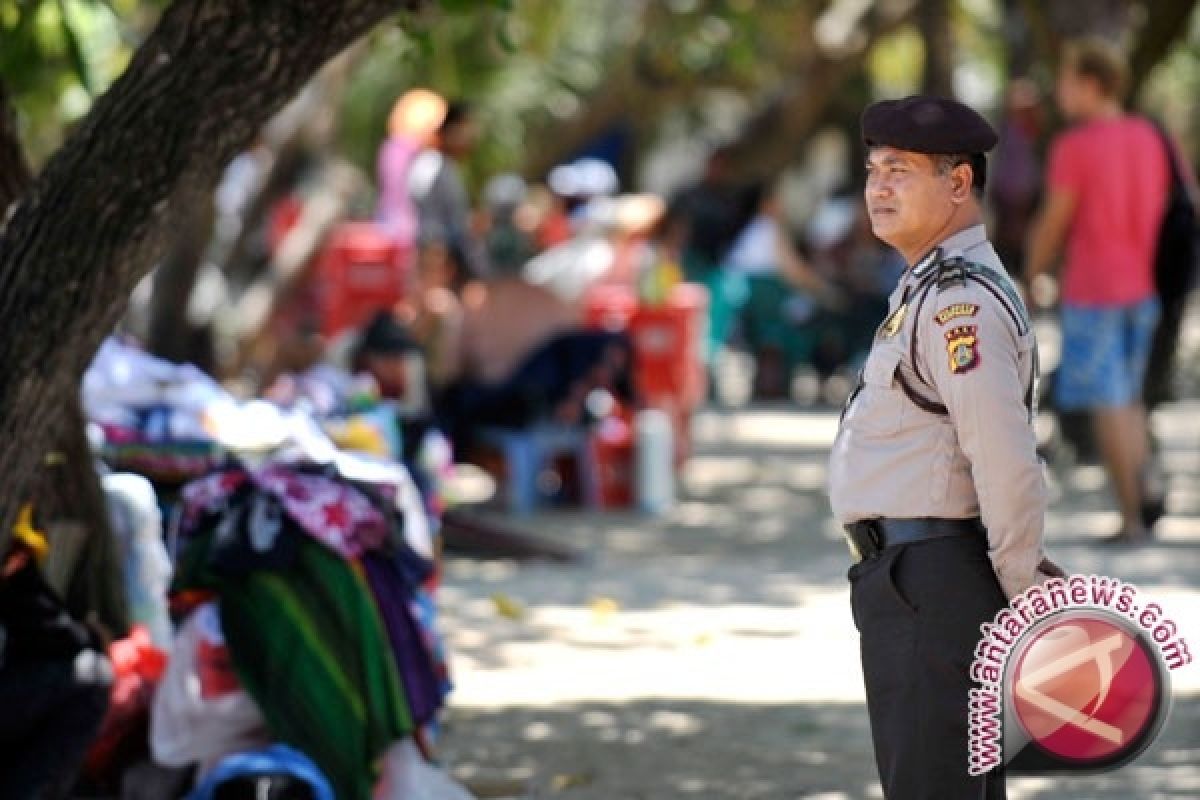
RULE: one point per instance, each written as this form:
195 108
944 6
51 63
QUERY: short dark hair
976 161
1099 60
457 112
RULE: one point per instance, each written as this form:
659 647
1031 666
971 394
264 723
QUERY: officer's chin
883 224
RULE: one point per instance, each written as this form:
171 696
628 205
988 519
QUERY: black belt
867 538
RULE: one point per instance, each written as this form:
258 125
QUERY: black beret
927 124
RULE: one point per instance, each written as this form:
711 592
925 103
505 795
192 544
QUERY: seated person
54 677
523 359
784 295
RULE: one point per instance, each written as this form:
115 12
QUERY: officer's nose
877 188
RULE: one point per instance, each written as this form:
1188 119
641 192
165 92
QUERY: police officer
934 473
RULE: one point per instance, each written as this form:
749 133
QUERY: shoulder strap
958 270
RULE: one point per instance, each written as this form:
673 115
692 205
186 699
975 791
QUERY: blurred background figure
1016 172
783 295
714 210
440 194
414 120
1107 182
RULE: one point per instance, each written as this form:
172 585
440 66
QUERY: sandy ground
711 654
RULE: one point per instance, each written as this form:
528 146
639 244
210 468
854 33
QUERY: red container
612 458
359 271
668 344
609 307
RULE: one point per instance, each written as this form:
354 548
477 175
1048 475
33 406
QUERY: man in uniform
934 473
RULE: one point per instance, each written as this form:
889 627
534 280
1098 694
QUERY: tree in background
93 223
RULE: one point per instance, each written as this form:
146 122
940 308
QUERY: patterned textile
331 511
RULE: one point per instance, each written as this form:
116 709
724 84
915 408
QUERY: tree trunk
933 18
195 93
67 489
170 334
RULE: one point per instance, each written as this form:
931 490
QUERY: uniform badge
956 311
891 325
962 346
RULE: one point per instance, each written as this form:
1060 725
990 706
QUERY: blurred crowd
546 323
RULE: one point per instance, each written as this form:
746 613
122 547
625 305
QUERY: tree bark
67 489
196 92
933 18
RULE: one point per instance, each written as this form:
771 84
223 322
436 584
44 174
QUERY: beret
927 124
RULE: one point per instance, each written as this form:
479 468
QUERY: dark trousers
918 608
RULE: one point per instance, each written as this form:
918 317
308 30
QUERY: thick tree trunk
195 93
67 490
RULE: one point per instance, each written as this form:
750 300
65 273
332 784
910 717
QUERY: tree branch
770 138
1166 23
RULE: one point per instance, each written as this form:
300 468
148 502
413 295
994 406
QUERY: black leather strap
868 538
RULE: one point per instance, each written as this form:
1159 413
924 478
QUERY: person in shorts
1107 183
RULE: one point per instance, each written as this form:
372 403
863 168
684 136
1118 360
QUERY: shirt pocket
880 407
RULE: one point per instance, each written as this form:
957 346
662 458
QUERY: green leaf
75 49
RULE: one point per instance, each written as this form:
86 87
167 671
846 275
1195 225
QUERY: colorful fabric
423 686
326 508
325 631
309 646
1118 173
1104 354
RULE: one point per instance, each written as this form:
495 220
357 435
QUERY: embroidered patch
955 311
962 345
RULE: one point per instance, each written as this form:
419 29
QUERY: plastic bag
408 776
200 711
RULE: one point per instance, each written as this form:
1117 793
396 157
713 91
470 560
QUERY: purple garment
413 659
396 212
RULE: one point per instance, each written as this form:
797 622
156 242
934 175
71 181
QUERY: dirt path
711 654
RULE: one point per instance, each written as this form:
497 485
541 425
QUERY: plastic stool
526 453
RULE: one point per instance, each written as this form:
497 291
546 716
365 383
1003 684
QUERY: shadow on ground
653 750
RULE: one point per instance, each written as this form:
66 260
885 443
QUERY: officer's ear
962 177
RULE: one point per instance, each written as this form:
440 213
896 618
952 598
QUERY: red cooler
668 343
609 307
359 271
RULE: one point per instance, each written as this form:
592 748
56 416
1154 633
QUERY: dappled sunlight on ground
710 653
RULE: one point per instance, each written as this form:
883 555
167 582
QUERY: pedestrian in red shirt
1107 182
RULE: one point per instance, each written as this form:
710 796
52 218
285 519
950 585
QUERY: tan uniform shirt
895 459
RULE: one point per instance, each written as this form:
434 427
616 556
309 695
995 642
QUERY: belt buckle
852 546
873 538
